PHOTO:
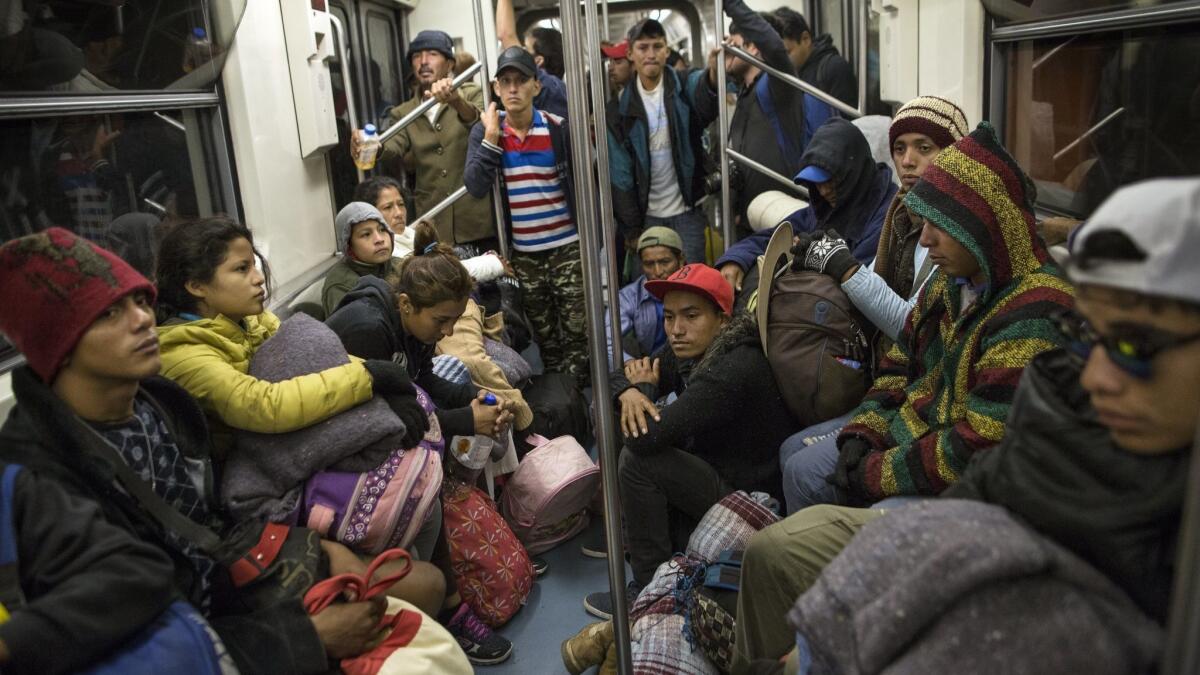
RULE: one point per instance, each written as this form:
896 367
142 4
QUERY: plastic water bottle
368 148
197 51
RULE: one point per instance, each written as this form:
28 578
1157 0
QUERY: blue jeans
690 225
805 467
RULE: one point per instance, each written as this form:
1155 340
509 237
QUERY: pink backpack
547 497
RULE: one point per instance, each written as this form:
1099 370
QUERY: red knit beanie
54 286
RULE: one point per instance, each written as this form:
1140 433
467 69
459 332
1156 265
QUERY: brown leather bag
812 336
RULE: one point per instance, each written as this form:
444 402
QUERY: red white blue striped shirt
541 218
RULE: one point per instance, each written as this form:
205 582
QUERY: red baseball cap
617 51
696 278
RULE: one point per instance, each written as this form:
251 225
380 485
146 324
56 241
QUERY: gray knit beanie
355 213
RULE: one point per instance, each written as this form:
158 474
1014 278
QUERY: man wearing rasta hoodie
716 437
849 193
1096 449
942 393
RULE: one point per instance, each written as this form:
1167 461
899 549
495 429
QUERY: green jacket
344 276
436 154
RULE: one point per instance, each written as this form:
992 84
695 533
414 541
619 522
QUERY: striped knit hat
939 119
977 193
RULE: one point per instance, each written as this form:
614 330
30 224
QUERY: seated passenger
661 251
943 391
83 319
718 436
1098 437
886 289
848 193
369 241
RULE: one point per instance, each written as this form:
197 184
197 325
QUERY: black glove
827 254
800 246
389 378
850 454
416 420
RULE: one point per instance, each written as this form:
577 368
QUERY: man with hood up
848 191
943 391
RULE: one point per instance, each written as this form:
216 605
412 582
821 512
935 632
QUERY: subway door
342 173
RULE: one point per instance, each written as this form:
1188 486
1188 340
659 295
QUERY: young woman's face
237 288
391 205
432 323
370 242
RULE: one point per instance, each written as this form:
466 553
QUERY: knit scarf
897 248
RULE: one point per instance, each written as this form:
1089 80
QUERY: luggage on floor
559 408
546 499
491 567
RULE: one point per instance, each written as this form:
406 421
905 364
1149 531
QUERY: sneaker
482 645
595 548
539 566
600 604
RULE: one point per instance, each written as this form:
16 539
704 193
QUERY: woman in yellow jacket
211 307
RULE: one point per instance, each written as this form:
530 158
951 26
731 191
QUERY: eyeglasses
1131 350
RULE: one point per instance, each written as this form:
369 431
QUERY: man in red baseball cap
719 434
620 70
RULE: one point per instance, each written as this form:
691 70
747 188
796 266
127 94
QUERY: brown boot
588 647
609 666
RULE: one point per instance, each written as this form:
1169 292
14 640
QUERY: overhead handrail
347 83
1041 60
766 171
1087 134
589 244
444 204
794 81
425 105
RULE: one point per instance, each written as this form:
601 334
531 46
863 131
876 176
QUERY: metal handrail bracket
794 81
425 105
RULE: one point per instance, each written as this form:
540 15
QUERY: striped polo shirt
541 218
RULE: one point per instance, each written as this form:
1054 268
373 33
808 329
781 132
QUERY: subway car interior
358 336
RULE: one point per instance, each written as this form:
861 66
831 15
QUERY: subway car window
383 65
62 48
1009 11
1088 114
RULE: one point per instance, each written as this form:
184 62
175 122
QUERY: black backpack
559 408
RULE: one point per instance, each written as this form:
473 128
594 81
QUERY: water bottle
197 51
368 148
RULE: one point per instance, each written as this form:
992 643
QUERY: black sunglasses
1133 351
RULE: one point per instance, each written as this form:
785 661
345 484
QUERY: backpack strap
12 598
791 153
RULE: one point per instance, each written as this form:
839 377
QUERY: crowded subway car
361 335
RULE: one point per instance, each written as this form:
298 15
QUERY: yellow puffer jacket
210 358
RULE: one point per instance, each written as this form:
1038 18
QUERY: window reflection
1010 11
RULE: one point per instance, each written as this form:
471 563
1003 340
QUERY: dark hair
432 274
792 24
548 44
673 57
192 251
646 29
368 190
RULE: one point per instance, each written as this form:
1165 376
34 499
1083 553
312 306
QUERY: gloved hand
851 454
800 246
389 378
409 410
828 254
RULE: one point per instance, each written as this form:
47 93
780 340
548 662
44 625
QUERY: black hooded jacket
367 323
860 184
828 71
45 436
1059 470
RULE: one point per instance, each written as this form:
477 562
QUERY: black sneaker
600 604
539 566
482 645
596 547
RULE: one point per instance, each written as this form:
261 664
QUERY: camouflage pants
553 283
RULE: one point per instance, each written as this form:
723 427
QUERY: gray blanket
264 476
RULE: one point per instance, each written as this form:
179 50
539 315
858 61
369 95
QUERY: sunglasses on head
1132 349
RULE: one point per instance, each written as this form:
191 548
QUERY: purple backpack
546 499
383 508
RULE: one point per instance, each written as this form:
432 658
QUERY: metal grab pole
723 121
863 20
589 234
481 42
442 205
607 221
425 105
1181 653
794 81
764 170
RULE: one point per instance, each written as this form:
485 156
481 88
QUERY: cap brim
813 174
659 289
614 52
519 67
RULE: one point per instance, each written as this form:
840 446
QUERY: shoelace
475 629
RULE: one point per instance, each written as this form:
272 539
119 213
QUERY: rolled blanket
263 477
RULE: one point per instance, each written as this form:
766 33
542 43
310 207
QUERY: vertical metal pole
589 236
1182 652
485 72
723 120
604 16
863 19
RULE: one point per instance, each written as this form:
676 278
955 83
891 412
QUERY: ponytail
433 274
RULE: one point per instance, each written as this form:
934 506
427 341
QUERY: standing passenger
545 44
529 151
816 60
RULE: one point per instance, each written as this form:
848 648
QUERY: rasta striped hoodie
944 390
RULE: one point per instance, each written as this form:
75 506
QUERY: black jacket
88 586
1059 469
829 72
729 411
47 437
369 327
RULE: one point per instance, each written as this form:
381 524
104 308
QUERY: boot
588 647
609 666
